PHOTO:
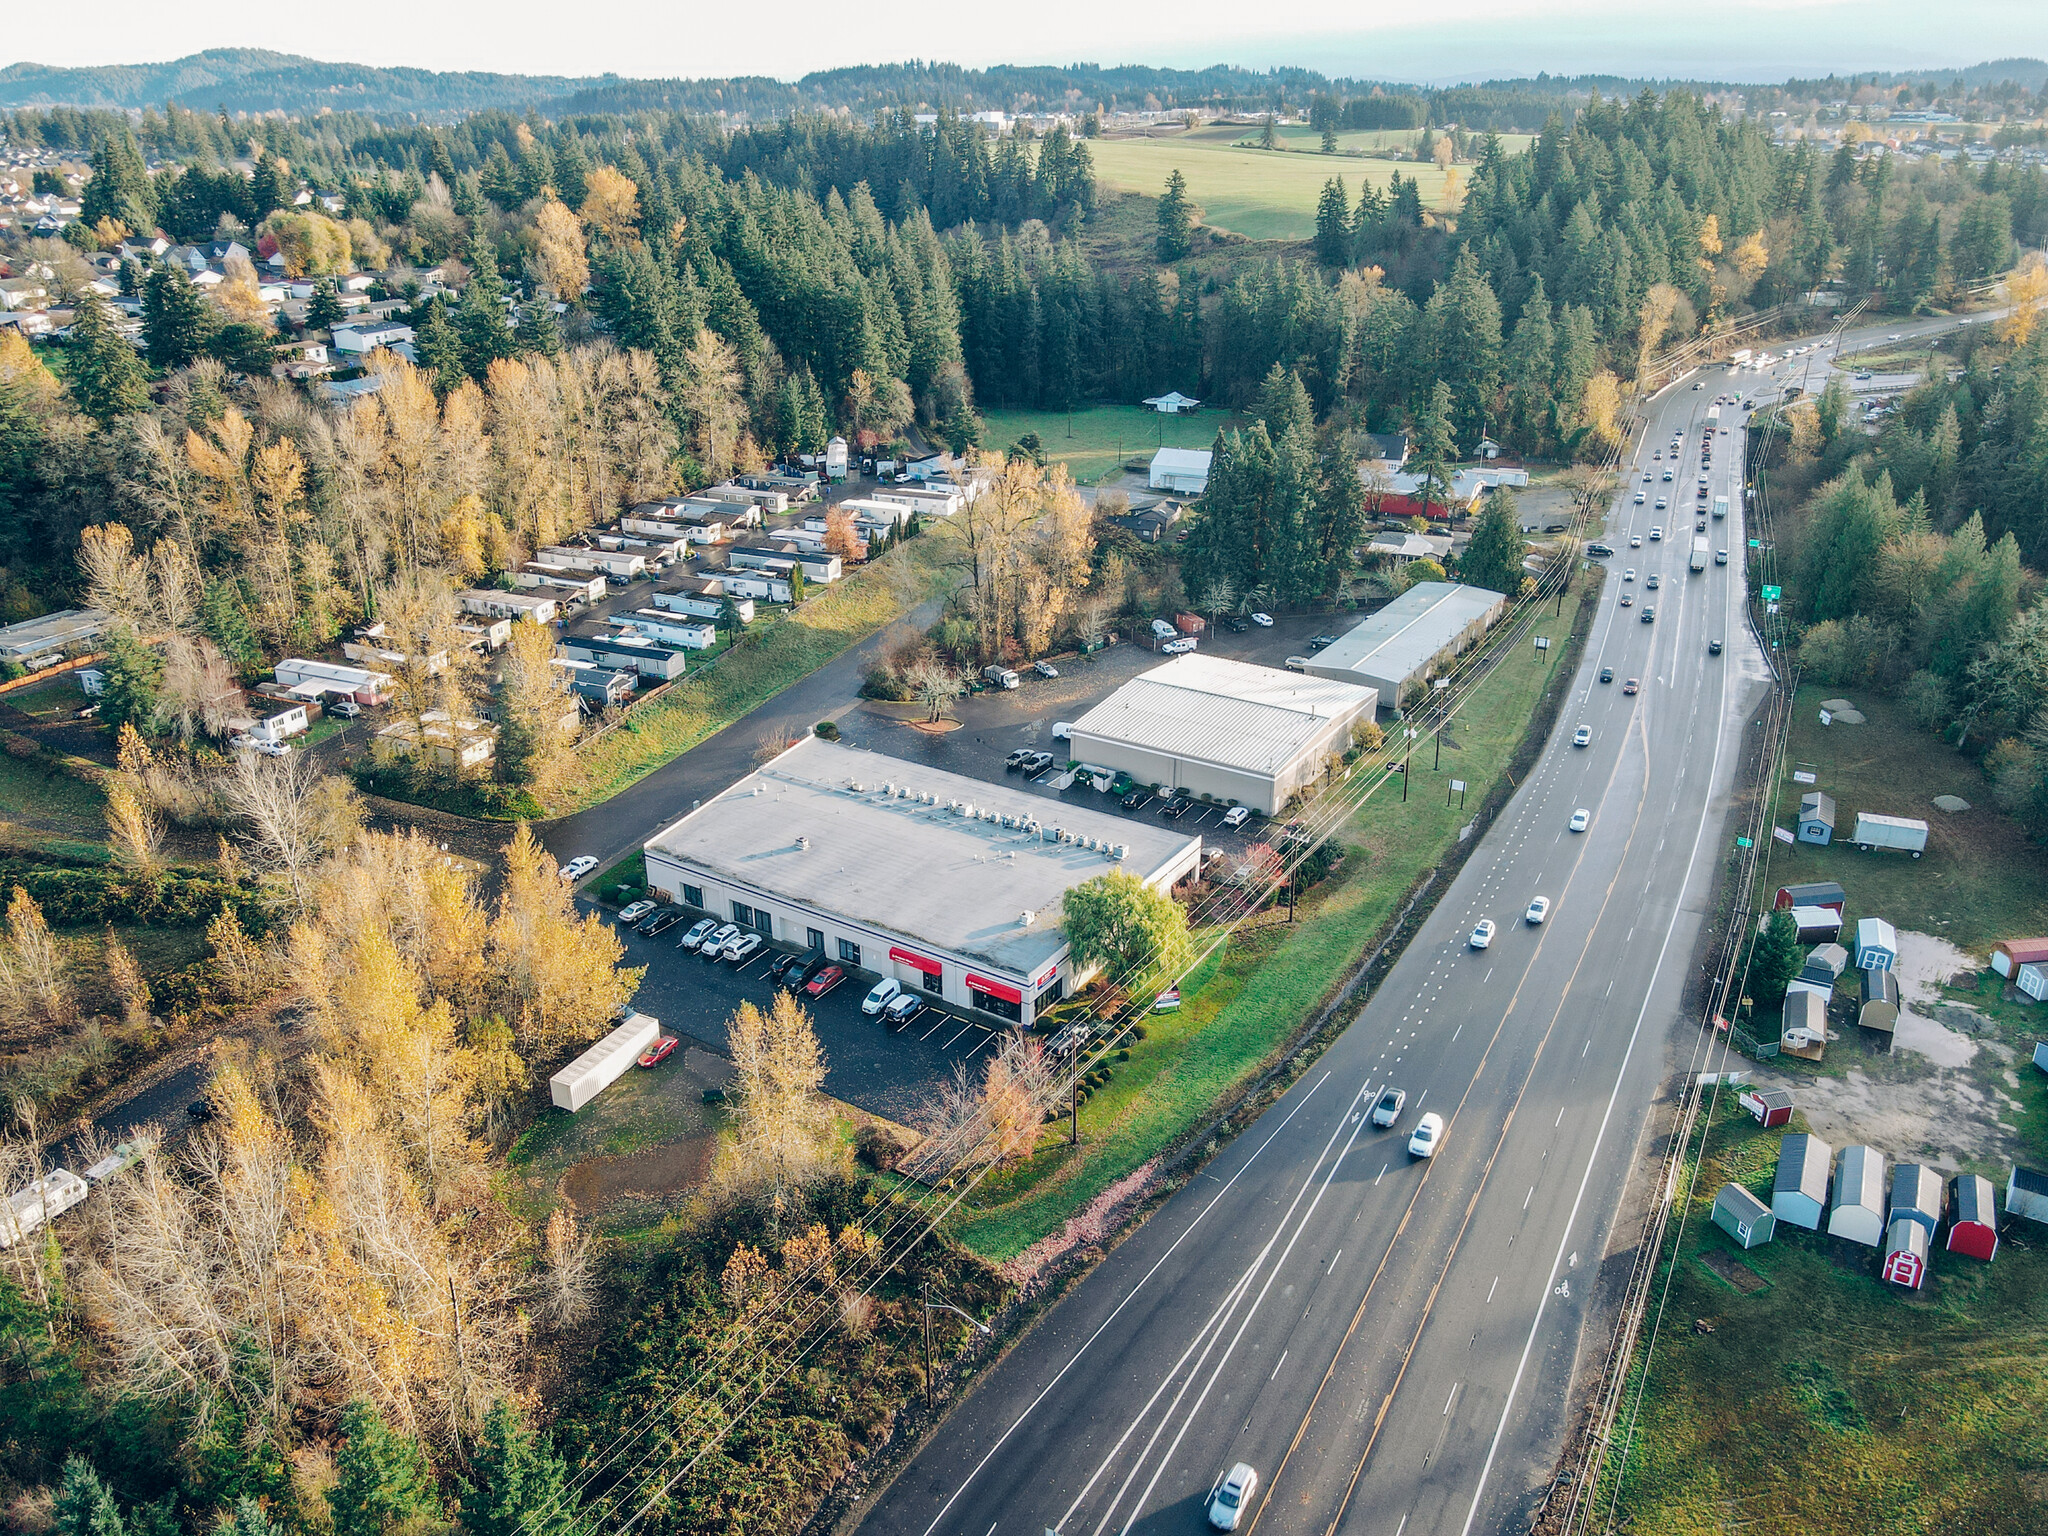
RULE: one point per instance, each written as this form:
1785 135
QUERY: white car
1629 574
1583 736
271 748
1429 1135
721 936
633 912
1581 819
576 869
1388 1109
885 992
697 935
736 951
1263 620
1237 816
347 709
1226 1504
1297 663
1639 494
1657 530
1539 909
1635 541
901 1007
1483 934
1178 647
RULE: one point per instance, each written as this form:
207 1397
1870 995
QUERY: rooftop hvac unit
889 789
1026 918
803 844
1088 843
963 808
858 787
1120 851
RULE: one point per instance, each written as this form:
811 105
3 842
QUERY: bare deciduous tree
933 684
291 817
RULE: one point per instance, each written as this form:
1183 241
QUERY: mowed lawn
1827 1402
1244 1001
1095 442
1262 194
1980 880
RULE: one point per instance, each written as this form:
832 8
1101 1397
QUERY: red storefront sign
917 962
1002 989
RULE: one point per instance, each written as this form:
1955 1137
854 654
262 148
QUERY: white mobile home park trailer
604 1063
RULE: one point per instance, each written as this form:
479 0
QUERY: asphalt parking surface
892 1071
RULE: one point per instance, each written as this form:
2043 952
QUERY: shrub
826 730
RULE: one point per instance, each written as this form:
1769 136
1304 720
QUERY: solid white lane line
1278 1363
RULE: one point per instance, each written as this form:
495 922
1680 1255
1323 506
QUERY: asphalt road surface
1390 1341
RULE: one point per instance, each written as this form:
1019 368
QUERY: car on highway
1657 529
1896 336
1639 498
1583 736
1662 505
825 981
1720 557
632 912
739 951
1633 685
1045 669
1629 574
1482 935
1653 581
659 1052
1388 1110
1607 674
697 935
1668 476
1237 816
1713 647
719 936
1263 620
1581 819
1649 615
661 922
1226 1504
1635 541
1539 909
884 992
1429 1135
577 868
1628 599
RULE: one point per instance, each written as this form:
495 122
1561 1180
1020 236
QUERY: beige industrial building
1413 637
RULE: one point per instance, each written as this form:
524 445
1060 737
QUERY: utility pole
1074 1115
927 1350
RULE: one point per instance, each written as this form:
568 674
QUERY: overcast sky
1459 40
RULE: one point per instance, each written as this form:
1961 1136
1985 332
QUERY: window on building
693 896
1001 1007
764 922
814 938
849 952
743 914
934 981
1053 993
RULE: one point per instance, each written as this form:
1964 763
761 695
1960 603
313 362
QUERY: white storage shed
604 1063
1799 1194
1858 1209
1877 946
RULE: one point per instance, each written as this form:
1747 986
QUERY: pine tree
107 378
119 188
84 1506
1431 452
135 677
272 187
1333 224
1493 559
1176 220
1774 959
438 347
540 329
177 320
323 310
520 1482
381 1477
480 319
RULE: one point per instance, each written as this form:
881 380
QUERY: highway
1390 1342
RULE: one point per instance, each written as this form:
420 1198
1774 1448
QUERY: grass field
1981 880
1243 1003
1829 1403
1095 442
1253 192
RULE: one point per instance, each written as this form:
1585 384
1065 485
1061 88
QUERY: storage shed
1812 893
1917 1193
604 1063
2033 980
1817 925
1974 1228
1877 946
1800 1192
1816 818
1743 1217
1880 1010
1772 1106
1905 1253
2026 1194
2041 1054
2008 955
1857 1212
1804 1031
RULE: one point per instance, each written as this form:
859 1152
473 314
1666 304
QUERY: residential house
444 740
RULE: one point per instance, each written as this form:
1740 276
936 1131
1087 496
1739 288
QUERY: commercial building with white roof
949 884
1234 732
1416 634
1185 470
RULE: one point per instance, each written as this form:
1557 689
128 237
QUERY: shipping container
604 1063
1906 834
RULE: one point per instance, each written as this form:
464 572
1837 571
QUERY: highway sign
1772 594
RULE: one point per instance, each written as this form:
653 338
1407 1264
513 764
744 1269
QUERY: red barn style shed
1905 1253
1975 1228
1771 1106
1818 893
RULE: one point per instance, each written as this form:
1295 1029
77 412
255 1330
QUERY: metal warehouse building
1413 636
1253 735
949 884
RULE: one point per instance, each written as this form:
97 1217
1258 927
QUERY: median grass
1244 1003
1096 442
772 656
1825 1401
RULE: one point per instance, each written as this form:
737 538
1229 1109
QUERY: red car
658 1052
1631 685
825 981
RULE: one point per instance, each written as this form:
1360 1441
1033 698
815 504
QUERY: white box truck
1720 506
604 1063
45 1200
999 677
1906 834
1699 552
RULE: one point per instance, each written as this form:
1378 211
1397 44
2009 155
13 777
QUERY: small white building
1172 403
1857 1210
317 679
1413 636
671 628
1877 945
1184 471
509 605
360 340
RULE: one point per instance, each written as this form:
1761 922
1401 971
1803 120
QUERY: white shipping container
604 1063
49 1197
1907 833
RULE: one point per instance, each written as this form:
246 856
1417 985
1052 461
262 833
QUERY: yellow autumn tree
1750 256
611 203
2025 290
558 236
781 1121
555 977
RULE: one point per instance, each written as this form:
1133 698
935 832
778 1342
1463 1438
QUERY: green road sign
1756 543
1772 594
1743 842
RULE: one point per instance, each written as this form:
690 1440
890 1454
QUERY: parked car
1016 759
1388 1110
1062 729
698 934
1037 763
1539 909
881 995
346 709
1429 1135
901 1007
711 946
1226 1505
1583 736
1297 663
577 868
738 951
661 922
1176 808
1045 669
1135 800
789 960
825 981
1320 641
1237 815
634 911
1263 620
1178 647
1599 551
1234 624
1482 935
659 1052
1581 819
